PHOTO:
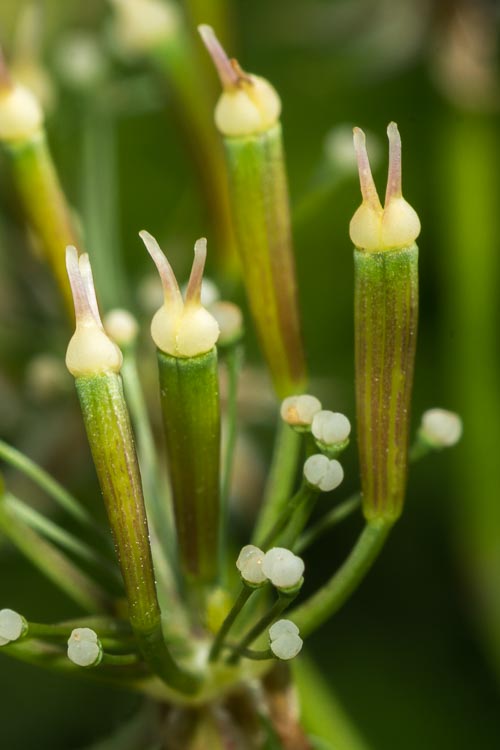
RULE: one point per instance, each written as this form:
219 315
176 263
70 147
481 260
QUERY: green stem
419 449
280 481
234 361
280 605
55 490
288 519
53 563
226 626
321 606
99 185
63 538
248 653
156 490
63 630
120 660
50 656
335 516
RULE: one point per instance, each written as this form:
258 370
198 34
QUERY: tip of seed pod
193 291
394 176
225 67
170 286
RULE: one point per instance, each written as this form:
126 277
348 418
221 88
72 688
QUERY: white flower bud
12 626
84 648
283 568
181 328
285 640
121 326
441 428
141 25
299 411
230 320
323 473
46 377
21 116
249 563
248 104
80 61
329 427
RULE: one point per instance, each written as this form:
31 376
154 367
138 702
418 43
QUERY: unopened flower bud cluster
279 566
284 639
440 428
12 626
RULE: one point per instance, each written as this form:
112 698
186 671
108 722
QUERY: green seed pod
22 135
95 361
386 311
247 116
185 334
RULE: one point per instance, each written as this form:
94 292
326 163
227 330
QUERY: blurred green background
415 656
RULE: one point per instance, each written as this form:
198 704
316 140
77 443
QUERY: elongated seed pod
95 361
23 137
247 116
191 420
185 335
386 311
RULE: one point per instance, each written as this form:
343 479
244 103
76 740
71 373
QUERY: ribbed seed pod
94 360
23 137
386 311
247 116
185 334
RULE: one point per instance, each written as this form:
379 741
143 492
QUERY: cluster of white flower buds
284 639
12 626
279 566
84 648
322 473
299 411
440 428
